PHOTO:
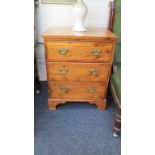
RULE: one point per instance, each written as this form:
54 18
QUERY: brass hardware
63 70
91 90
96 53
94 72
64 88
63 50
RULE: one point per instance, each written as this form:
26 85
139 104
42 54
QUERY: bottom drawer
76 90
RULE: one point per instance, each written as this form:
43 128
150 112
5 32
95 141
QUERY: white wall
61 15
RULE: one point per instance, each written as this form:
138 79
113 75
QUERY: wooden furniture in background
115 81
78 65
111 15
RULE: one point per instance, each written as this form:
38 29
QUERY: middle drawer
77 71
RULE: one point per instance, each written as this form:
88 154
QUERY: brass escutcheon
91 90
94 72
96 53
64 88
63 70
63 51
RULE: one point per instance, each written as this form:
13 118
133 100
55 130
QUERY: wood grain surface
90 34
77 71
79 52
78 65
76 90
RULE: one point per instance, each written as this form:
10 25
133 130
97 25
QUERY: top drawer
79 51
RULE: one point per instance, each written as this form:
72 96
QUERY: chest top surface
91 33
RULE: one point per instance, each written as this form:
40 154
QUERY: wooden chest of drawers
78 65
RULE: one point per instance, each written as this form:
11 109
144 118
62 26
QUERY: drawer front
78 71
76 90
80 52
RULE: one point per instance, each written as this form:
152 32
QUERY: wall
61 15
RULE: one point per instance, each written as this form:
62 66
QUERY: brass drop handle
96 53
63 70
64 88
91 90
63 51
94 72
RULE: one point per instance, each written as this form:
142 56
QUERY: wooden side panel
76 90
78 71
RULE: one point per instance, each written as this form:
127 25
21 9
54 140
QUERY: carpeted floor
73 129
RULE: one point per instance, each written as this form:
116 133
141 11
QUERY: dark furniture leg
117 123
37 85
36 79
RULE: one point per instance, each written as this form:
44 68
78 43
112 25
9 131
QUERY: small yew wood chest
78 65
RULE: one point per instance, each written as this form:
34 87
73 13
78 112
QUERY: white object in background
80 11
41 69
